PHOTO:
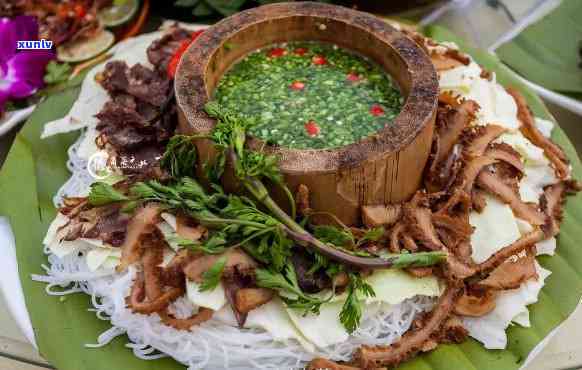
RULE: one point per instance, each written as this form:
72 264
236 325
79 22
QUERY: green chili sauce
310 95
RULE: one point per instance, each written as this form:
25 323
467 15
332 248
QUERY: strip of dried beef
138 81
160 52
139 119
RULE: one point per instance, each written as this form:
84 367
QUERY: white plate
10 283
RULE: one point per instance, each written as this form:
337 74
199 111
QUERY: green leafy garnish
371 235
351 313
216 244
211 277
102 194
180 156
56 73
332 235
286 283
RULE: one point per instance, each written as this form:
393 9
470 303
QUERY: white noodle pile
214 344
80 180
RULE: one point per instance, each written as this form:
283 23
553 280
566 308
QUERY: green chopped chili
310 95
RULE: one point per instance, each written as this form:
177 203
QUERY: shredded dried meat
511 273
552 150
368 357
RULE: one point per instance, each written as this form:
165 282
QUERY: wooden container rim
417 111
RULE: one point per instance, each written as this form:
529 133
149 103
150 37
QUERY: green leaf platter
35 169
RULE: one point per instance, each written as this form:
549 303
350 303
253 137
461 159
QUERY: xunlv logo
34 45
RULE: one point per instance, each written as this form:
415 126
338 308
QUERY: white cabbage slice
213 299
103 257
271 317
460 79
324 329
495 227
394 286
530 154
535 178
546 247
511 305
545 126
497 106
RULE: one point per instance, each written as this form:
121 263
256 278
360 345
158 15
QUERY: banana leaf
548 51
36 168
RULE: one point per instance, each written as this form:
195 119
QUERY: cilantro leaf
288 286
211 277
56 72
351 313
180 156
333 235
102 194
372 235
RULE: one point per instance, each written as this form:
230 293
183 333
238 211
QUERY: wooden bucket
384 168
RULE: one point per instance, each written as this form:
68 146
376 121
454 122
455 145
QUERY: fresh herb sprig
238 221
229 136
102 194
285 282
351 313
211 277
180 156
234 220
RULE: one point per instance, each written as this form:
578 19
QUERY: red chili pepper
277 52
80 10
195 34
312 128
173 64
319 60
376 110
353 77
297 85
300 51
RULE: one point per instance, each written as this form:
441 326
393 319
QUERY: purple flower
21 71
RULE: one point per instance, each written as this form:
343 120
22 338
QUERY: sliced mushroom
152 257
475 303
443 63
141 223
504 152
186 229
235 257
247 299
420 272
514 248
